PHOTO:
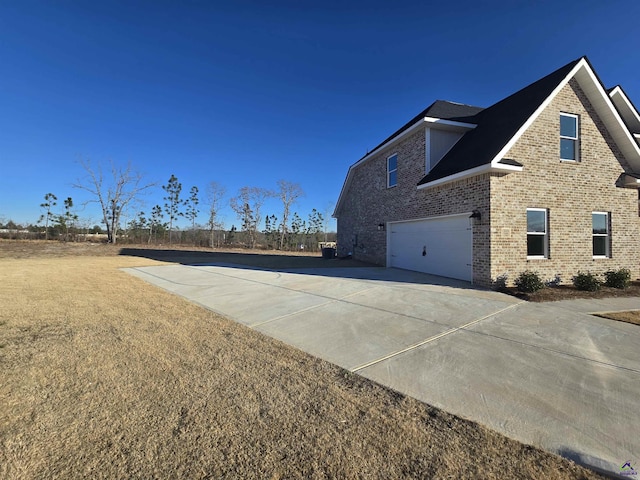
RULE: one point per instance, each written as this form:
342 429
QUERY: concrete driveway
550 375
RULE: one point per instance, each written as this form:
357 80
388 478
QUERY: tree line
119 192
289 233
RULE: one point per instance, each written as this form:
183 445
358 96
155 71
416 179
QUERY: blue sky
246 93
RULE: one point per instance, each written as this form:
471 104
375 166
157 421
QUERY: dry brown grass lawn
104 376
632 316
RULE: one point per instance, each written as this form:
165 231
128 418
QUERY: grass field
104 376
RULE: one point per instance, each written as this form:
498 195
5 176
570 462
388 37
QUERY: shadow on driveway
300 264
271 261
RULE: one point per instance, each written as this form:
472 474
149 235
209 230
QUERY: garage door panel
440 246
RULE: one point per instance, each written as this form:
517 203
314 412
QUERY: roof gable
449 114
440 109
491 132
496 126
502 124
626 108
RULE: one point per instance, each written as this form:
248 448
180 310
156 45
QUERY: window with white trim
601 234
537 233
392 170
569 146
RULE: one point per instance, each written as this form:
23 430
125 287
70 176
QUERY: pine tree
49 202
68 218
155 223
191 207
172 201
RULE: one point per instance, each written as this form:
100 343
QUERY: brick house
546 180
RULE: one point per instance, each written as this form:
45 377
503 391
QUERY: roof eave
627 104
537 112
597 93
449 124
618 90
414 127
472 172
612 119
630 181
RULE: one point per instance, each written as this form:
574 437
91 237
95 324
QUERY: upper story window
392 170
537 233
601 237
569 147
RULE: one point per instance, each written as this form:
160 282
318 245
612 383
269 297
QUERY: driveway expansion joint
291 314
432 339
331 299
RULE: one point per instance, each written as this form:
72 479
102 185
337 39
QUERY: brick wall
368 202
570 191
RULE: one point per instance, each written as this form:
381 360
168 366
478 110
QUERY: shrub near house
618 279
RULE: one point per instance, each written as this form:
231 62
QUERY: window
537 233
600 222
568 137
392 170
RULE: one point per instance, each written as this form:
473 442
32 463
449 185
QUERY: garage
439 246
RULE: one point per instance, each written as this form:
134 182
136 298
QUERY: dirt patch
105 376
569 292
632 316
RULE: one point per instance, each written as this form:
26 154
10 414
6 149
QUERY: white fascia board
401 135
632 182
450 123
617 91
371 154
411 129
487 168
620 133
502 167
430 120
582 67
344 188
368 156
537 113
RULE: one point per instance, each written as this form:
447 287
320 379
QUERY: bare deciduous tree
215 194
328 210
247 206
288 193
114 194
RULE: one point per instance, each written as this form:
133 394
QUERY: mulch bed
569 292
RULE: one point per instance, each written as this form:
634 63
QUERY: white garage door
440 246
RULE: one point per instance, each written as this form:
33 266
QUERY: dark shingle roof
456 112
496 125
